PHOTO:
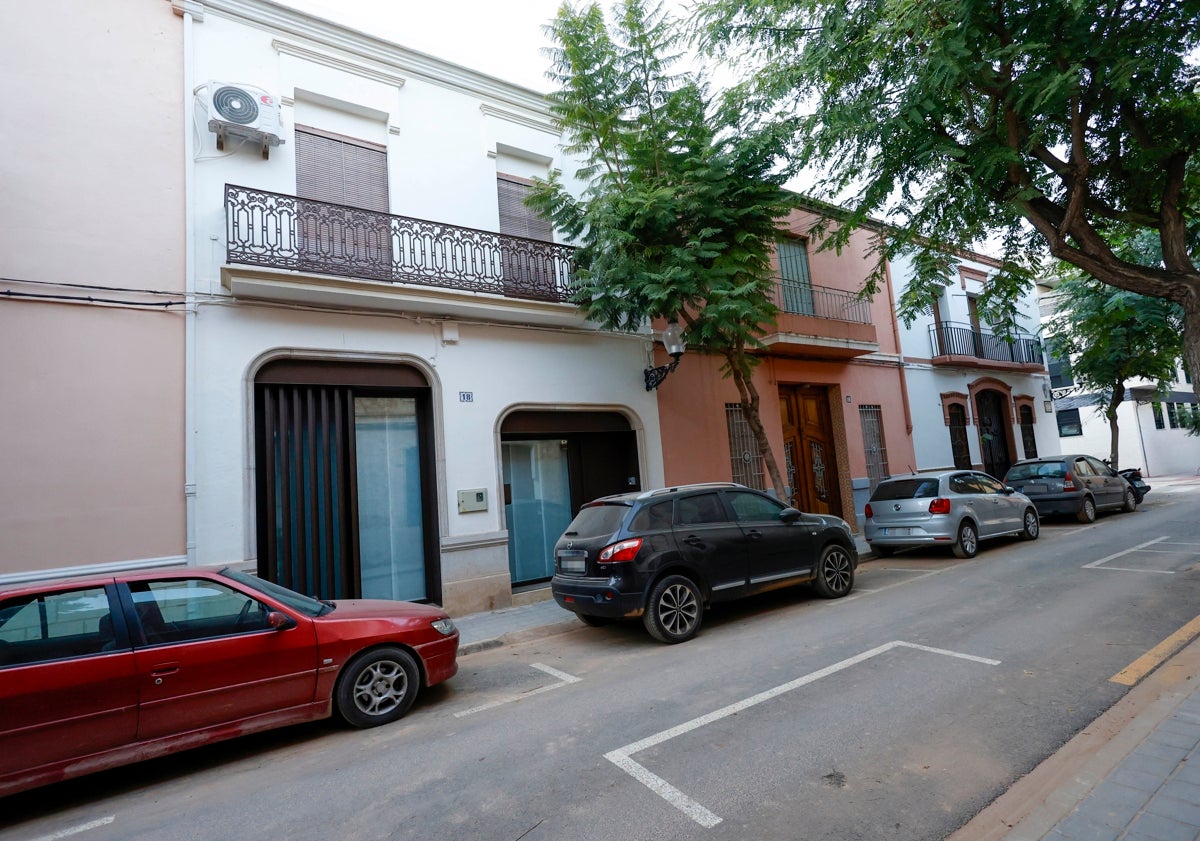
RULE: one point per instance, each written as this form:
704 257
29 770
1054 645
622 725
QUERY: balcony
327 254
963 345
816 321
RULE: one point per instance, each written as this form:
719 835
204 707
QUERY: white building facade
978 400
390 394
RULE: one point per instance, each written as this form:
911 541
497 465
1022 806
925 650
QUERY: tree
1113 336
682 198
1059 126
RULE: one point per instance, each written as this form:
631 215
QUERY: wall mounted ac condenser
236 110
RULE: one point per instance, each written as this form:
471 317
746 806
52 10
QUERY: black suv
666 554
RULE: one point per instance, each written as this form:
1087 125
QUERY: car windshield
1045 469
915 488
291 598
597 520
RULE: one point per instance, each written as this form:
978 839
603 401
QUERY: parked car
666 554
1071 484
103 671
955 508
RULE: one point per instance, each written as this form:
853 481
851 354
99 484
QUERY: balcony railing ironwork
799 298
288 232
949 339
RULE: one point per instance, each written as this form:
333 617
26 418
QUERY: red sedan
103 671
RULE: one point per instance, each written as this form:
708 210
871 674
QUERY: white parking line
75 830
1099 564
564 680
694 810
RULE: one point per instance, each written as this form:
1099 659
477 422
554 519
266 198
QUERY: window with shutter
796 282
527 268
342 187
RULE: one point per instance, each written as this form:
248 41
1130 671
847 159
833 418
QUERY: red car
102 671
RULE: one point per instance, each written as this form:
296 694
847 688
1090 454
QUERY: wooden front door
809 455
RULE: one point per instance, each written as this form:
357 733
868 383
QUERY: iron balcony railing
949 339
288 232
799 298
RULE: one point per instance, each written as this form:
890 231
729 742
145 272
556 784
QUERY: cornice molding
392 60
545 125
327 60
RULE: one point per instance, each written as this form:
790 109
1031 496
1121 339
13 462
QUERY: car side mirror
1009 490
280 621
790 515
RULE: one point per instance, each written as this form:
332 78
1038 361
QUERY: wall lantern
672 339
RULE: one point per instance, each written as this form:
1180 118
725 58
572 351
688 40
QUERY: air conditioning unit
236 110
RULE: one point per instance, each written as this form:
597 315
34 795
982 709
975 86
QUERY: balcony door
795 279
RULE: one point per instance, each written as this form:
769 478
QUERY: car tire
674 610
835 573
593 621
1032 526
967 542
377 687
1087 511
882 551
1129 503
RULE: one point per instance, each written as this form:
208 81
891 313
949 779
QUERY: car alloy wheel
1033 525
967 543
835 573
1087 511
674 611
377 687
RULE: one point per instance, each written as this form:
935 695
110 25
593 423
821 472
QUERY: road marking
75 830
1130 550
1149 661
694 810
563 678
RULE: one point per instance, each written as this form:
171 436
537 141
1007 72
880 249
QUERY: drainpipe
189 11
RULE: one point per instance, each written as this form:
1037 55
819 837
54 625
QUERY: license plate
572 562
897 532
1037 489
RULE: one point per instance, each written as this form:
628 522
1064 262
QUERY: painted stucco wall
91 394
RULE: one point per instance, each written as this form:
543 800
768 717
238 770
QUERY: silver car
955 508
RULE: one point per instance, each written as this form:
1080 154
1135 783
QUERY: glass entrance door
537 505
391 536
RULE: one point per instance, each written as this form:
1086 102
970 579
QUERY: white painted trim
95 569
355 68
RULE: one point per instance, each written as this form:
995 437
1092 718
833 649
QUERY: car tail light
622 552
941 505
1068 482
868 512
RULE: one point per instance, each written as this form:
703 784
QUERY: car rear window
1045 469
597 520
907 489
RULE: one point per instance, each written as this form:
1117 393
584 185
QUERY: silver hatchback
955 508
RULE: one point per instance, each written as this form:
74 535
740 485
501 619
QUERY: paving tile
1136 779
1155 766
1079 826
1120 802
1166 806
1163 829
1162 736
1173 752
1189 772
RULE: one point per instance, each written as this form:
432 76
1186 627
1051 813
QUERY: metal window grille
1158 415
1172 416
871 418
744 457
958 437
1028 441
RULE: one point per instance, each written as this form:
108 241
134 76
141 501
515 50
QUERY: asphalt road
896 713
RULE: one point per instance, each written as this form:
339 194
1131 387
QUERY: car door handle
754 534
692 540
164 669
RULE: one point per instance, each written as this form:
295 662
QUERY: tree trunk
743 378
1110 412
1191 338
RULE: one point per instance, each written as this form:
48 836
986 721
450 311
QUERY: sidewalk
1132 775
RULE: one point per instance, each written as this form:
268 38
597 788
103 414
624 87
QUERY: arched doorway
991 410
810 454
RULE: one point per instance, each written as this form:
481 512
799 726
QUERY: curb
1034 804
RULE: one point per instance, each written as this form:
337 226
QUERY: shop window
1069 424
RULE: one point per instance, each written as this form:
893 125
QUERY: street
898 712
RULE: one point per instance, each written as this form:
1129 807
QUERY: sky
501 39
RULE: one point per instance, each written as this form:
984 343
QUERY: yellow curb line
1149 661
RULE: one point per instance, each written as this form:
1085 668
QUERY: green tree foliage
683 196
1058 126
1113 336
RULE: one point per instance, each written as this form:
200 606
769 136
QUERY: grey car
955 508
1073 484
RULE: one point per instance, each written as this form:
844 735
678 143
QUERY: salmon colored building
831 384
